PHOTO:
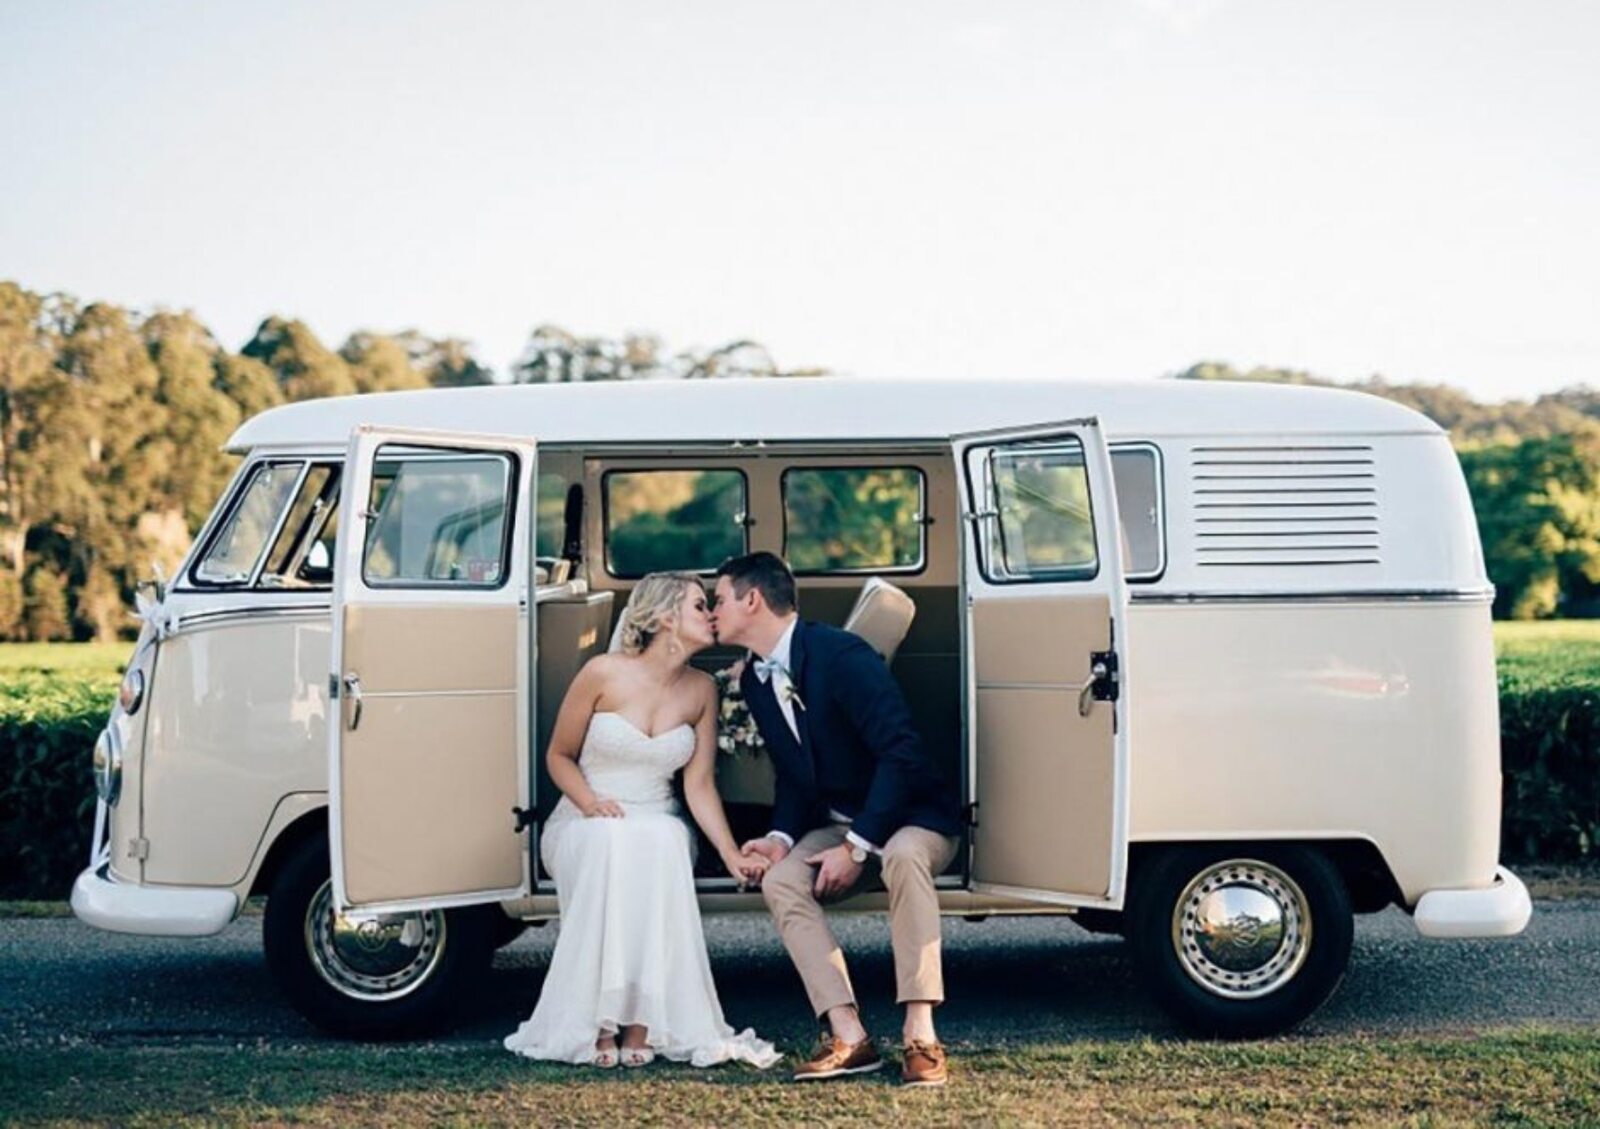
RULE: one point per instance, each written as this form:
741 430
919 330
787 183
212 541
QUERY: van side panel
239 720
1333 719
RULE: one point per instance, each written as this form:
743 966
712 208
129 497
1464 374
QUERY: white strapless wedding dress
631 947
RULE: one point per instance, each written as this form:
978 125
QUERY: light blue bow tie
766 668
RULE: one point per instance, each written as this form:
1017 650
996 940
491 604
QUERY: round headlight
132 692
107 767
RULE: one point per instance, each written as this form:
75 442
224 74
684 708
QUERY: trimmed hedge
48 726
1550 750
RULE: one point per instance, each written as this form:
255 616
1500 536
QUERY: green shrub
1550 757
48 726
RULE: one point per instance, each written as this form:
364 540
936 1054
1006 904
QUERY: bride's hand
748 869
604 809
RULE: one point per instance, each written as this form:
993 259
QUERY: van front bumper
161 911
1500 909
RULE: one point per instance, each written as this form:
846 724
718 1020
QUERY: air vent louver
1285 506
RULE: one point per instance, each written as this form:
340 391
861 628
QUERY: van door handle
352 690
1102 684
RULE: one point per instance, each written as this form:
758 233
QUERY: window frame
247 477
922 520
991 550
513 469
1141 445
605 513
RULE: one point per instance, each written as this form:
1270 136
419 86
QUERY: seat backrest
882 616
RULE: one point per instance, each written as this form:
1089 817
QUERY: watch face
858 854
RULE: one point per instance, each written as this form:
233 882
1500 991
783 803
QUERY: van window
438 520
232 555
1137 474
691 520
287 559
1045 529
551 521
853 519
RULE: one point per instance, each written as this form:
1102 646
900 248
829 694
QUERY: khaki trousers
911 858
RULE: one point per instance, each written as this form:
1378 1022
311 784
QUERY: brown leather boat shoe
925 1064
835 1058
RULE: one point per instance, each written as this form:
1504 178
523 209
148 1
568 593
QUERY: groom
856 792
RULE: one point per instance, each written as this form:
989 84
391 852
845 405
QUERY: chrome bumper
163 911
1501 909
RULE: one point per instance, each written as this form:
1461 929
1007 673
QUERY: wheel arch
286 832
1366 874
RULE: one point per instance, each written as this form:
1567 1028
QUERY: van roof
833 409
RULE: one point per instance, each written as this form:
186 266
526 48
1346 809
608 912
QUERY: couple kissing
856 796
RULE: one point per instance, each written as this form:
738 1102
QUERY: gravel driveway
1010 981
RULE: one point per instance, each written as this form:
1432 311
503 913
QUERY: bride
631 956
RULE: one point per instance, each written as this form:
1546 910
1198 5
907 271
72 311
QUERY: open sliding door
432 662
1047 718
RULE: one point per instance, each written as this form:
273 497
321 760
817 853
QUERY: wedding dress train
631 947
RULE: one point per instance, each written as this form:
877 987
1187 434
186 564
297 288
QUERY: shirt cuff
855 840
783 837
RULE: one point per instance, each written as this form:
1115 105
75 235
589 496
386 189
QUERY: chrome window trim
1149 576
233 500
218 616
1351 596
277 526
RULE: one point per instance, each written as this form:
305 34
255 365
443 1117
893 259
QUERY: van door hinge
1103 665
972 815
139 848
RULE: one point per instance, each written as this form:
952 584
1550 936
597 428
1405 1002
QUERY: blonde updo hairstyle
653 608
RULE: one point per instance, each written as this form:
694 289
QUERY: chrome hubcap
1241 929
372 957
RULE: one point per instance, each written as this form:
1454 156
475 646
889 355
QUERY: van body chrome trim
218 616
1343 596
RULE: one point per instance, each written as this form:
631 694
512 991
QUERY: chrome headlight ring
108 766
131 693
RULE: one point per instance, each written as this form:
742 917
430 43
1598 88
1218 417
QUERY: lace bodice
623 763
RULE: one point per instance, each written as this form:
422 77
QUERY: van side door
1044 654
433 651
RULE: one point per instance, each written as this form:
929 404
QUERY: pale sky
1059 189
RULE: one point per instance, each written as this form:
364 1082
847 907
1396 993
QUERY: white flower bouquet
737 735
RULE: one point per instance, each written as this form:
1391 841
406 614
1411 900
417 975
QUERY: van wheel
370 976
1240 943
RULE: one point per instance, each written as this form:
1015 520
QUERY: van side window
853 519
656 520
1136 472
287 561
551 522
231 557
438 520
1045 529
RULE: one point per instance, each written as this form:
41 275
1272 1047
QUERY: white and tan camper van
1212 663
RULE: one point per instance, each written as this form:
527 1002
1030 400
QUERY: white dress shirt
783 687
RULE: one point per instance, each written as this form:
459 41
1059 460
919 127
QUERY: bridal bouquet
737 735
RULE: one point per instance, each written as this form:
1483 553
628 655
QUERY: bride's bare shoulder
602 670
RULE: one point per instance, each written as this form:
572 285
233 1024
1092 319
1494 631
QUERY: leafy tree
306 369
381 364
247 382
191 469
1538 505
44 613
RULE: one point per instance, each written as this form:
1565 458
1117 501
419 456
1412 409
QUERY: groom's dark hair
766 572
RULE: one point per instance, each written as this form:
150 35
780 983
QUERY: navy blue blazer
858 752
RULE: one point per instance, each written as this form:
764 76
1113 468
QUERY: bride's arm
700 789
566 741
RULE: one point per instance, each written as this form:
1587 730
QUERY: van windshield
237 547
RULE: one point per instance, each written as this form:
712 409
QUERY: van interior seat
882 616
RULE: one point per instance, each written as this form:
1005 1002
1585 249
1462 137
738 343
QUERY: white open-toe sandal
638 1056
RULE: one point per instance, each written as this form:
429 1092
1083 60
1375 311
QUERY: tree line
112 422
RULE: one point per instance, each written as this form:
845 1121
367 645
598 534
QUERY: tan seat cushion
882 616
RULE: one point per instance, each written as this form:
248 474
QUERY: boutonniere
792 696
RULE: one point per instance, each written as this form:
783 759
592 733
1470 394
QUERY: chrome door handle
1102 685
1086 695
352 690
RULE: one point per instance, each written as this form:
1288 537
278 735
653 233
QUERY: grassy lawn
1523 1078
1561 651
80 660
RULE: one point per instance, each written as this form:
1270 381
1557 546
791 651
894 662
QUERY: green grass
88 660
1521 1078
1554 653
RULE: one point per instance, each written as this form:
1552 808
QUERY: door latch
352 691
1103 684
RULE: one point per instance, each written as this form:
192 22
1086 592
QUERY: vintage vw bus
1212 664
